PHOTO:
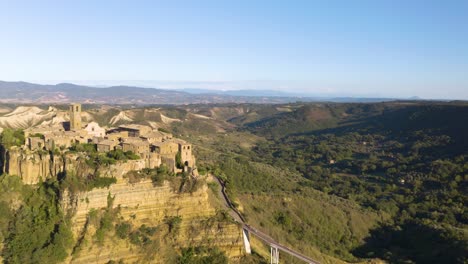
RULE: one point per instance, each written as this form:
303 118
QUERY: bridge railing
231 205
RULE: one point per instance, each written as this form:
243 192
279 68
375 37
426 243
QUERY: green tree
8 139
178 159
39 232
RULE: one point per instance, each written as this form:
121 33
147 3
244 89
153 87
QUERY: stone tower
75 116
186 154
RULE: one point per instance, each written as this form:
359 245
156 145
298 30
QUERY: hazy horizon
226 86
395 49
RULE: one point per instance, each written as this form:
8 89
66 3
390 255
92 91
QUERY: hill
23 93
407 160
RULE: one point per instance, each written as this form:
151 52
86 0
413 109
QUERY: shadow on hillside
450 119
414 243
430 119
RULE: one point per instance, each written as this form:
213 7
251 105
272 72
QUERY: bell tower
75 116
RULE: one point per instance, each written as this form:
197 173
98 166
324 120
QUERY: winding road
252 231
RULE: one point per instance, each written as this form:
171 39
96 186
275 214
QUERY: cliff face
34 166
175 220
145 204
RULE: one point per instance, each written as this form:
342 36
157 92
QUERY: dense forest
405 164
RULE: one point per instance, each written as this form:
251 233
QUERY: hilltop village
93 194
153 146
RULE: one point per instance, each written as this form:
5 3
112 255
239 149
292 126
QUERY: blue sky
353 48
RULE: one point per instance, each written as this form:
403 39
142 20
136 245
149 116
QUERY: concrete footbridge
248 231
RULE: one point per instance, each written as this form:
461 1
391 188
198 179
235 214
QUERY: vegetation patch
201 255
38 231
77 184
173 224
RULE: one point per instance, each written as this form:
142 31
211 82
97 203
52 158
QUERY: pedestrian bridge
275 247
249 231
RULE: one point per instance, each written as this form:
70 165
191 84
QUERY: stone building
156 136
94 130
117 135
141 148
186 154
106 145
75 117
134 130
185 150
153 160
63 139
166 148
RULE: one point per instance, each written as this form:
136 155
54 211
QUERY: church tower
75 116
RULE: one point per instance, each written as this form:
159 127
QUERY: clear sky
358 48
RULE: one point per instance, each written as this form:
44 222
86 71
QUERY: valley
338 182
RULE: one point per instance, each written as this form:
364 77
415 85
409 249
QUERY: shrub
199 255
173 223
12 137
178 159
39 135
163 130
123 229
131 156
149 231
84 147
79 184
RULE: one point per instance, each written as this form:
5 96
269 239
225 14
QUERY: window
77 108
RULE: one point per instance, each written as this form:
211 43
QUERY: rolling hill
24 92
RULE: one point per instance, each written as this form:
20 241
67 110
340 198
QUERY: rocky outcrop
34 166
145 204
140 203
119 169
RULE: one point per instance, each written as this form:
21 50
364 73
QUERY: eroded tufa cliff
144 204
35 166
32 167
159 219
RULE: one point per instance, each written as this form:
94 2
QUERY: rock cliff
144 204
34 166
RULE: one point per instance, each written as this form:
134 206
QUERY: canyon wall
143 203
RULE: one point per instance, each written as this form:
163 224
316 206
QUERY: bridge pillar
245 235
274 255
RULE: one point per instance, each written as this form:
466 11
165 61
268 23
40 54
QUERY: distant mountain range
23 92
262 93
